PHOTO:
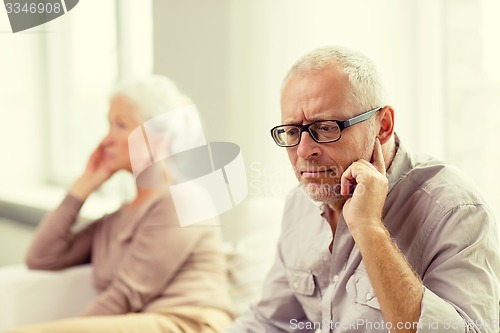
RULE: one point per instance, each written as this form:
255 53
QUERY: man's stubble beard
329 192
325 190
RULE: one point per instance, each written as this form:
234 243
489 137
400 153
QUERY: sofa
36 296
28 296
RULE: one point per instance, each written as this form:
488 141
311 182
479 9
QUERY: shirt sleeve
157 250
54 246
462 271
277 311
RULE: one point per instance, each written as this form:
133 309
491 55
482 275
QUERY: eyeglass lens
322 131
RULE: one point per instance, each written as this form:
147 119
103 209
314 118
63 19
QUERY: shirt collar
401 164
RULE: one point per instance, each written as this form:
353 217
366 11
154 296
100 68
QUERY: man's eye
326 128
292 132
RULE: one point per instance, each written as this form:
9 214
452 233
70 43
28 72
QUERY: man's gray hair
366 90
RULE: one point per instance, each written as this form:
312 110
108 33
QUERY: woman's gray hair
366 90
155 97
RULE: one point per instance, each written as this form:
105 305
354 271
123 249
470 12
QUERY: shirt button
295 285
369 296
335 278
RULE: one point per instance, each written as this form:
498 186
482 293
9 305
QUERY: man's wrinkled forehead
317 95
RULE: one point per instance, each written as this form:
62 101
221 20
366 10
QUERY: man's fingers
378 157
361 167
346 180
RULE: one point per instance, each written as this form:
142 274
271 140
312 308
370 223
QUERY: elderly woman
152 275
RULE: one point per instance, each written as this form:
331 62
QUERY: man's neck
389 151
332 215
336 208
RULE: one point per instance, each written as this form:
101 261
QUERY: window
473 92
55 84
82 68
101 45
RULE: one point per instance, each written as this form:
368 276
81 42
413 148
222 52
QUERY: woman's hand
95 174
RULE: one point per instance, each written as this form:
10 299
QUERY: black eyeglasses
321 131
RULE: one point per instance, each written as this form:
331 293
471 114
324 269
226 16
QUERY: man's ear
385 117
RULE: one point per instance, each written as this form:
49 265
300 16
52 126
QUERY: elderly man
397 243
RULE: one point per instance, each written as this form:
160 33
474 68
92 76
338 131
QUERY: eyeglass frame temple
342 124
355 120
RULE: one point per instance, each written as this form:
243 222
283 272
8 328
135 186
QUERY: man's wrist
370 232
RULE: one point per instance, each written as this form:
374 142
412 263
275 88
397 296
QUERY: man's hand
398 289
364 208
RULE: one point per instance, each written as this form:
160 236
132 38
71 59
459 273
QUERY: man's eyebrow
309 121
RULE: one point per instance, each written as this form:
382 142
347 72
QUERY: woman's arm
157 251
54 246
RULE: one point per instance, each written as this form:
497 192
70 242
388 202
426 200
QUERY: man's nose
307 147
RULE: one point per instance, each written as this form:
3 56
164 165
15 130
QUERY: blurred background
439 60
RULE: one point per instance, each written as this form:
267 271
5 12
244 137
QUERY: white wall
232 55
432 54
